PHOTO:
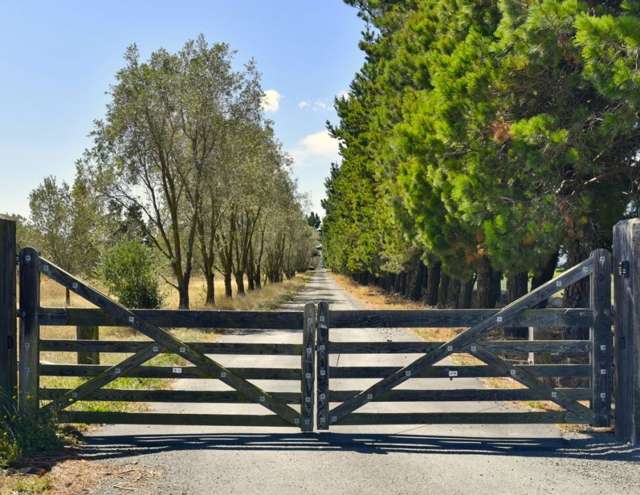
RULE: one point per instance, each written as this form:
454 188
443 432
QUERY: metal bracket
623 269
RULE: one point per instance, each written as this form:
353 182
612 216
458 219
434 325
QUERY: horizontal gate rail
462 395
174 372
443 371
456 318
560 347
195 396
128 346
260 320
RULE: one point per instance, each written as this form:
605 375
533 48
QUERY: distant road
442 459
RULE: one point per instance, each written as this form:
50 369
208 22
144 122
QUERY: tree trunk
454 293
496 288
544 274
418 281
517 286
484 292
433 282
227 284
466 294
183 291
240 283
257 277
210 279
576 295
443 290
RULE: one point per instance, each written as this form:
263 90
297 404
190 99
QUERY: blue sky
57 60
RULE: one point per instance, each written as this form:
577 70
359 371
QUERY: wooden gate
287 409
590 405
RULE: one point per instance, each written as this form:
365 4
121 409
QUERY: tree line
484 140
185 163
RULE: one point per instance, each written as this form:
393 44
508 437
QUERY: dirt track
509 459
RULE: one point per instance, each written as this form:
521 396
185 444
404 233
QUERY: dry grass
375 298
73 476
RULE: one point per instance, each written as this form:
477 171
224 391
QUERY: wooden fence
589 403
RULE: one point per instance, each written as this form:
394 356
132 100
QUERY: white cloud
271 100
319 146
343 95
316 106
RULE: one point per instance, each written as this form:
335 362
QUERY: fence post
626 258
29 330
8 351
601 337
307 381
322 360
88 333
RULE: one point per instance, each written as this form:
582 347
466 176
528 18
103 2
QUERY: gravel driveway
438 459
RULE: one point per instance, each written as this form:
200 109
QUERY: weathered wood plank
29 331
602 337
88 333
169 343
8 329
131 346
171 419
546 370
504 316
454 318
323 370
258 320
626 253
560 347
460 418
171 372
307 368
462 395
194 396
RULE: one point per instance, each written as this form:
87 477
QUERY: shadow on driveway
602 448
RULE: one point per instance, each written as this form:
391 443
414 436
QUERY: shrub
129 271
22 436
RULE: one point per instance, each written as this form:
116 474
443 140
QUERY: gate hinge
623 269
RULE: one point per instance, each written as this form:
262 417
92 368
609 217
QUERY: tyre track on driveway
495 459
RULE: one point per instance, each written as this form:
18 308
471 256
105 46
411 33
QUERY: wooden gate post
88 333
626 259
8 352
322 359
601 337
29 331
307 381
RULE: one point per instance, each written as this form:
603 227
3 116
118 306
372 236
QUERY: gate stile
597 317
31 265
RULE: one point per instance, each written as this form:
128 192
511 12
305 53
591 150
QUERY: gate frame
32 265
597 267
